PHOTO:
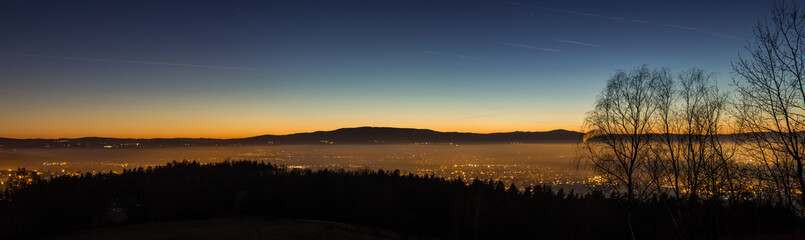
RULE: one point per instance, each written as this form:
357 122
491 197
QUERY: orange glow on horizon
219 132
239 120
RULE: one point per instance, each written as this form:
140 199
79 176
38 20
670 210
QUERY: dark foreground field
190 200
244 228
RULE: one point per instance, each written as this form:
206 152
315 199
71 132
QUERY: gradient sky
239 68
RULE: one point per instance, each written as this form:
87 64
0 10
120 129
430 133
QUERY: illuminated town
524 165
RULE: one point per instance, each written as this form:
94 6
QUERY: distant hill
359 135
375 135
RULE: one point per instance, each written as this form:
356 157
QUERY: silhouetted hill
359 135
381 135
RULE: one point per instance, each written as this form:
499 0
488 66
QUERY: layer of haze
523 164
241 68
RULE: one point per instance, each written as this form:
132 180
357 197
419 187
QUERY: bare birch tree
620 124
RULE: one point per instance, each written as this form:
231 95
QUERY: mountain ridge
355 135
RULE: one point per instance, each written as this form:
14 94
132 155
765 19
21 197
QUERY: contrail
532 47
577 43
613 18
142 62
642 22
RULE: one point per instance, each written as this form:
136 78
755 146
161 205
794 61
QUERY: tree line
413 205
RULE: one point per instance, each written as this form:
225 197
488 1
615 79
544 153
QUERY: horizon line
302 132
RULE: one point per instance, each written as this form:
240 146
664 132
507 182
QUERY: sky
230 69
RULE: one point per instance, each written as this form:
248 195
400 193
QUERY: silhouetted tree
701 165
621 124
689 156
650 134
771 104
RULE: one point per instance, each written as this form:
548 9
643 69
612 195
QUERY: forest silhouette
410 204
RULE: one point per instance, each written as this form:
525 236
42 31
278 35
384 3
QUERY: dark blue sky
240 68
